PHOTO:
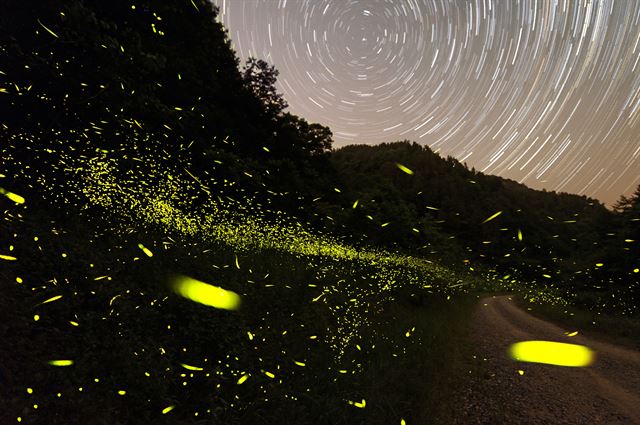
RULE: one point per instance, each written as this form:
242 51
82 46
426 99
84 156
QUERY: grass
326 334
422 384
620 330
130 333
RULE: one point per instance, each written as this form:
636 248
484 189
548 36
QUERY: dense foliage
134 146
443 210
101 68
104 70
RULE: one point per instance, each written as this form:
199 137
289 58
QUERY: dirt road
607 392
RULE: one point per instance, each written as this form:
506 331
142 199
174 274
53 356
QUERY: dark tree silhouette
312 139
260 78
626 205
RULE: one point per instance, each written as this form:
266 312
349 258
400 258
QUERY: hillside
444 210
177 247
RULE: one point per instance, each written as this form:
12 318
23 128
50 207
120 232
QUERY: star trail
543 92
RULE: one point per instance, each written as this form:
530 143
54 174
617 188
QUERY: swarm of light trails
546 92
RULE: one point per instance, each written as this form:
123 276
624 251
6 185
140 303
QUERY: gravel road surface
606 392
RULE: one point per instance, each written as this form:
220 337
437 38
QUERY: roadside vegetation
606 327
137 150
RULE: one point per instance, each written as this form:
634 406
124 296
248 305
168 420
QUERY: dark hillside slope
101 71
545 237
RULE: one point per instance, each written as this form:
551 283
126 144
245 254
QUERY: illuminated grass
311 304
314 321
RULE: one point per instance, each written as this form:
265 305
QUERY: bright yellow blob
206 294
492 217
167 409
15 198
146 250
361 404
189 367
60 362
404 169
555 353
52 299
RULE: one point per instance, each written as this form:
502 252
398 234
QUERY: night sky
545 92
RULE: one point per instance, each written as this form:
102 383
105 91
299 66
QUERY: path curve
607 392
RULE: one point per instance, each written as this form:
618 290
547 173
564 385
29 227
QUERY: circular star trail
545 92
